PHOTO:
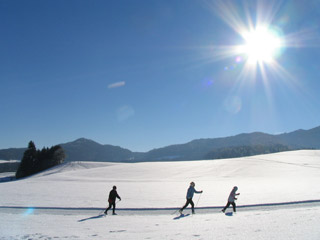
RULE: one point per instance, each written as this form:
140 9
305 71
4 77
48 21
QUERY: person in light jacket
190 193
231 199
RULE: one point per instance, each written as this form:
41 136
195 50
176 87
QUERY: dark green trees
34 161
243 151
28 161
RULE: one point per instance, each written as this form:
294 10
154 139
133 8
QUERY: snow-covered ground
64 202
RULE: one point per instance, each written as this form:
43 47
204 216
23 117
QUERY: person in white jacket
231 199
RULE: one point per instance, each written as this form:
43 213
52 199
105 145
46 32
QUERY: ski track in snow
156 211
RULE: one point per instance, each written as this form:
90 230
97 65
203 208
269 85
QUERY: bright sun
261 45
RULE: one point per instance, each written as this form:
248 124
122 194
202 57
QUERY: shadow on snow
91 218
181 216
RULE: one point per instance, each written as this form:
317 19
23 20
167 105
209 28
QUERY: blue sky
147 74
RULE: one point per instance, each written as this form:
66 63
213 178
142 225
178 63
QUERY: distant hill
199 149
248 143
12 153
245 151
87 150
302 138
8 166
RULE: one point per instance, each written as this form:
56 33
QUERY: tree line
34 161
243 151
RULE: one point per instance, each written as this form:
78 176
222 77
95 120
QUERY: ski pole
106 207
198 199
175 212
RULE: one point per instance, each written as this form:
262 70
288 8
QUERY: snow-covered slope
6 161
274 178
281 177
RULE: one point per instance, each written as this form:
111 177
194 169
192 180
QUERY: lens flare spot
233 104
124 113
207 82
239 59
29 211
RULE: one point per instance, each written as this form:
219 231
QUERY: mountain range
243 145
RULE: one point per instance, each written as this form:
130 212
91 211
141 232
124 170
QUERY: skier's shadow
181 216
91 218
229 214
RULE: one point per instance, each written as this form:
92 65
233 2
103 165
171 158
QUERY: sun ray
267 13
266 83
222 52
303 38
228 12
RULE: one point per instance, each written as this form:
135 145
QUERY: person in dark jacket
231 199
113 195
190 193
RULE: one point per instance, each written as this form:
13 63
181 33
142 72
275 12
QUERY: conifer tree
28 161
35 161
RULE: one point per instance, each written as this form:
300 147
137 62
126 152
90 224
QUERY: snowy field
280 199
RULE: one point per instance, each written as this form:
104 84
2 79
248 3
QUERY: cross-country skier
112 200
191 191
231 199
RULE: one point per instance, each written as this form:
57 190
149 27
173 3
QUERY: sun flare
261 45
256 51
